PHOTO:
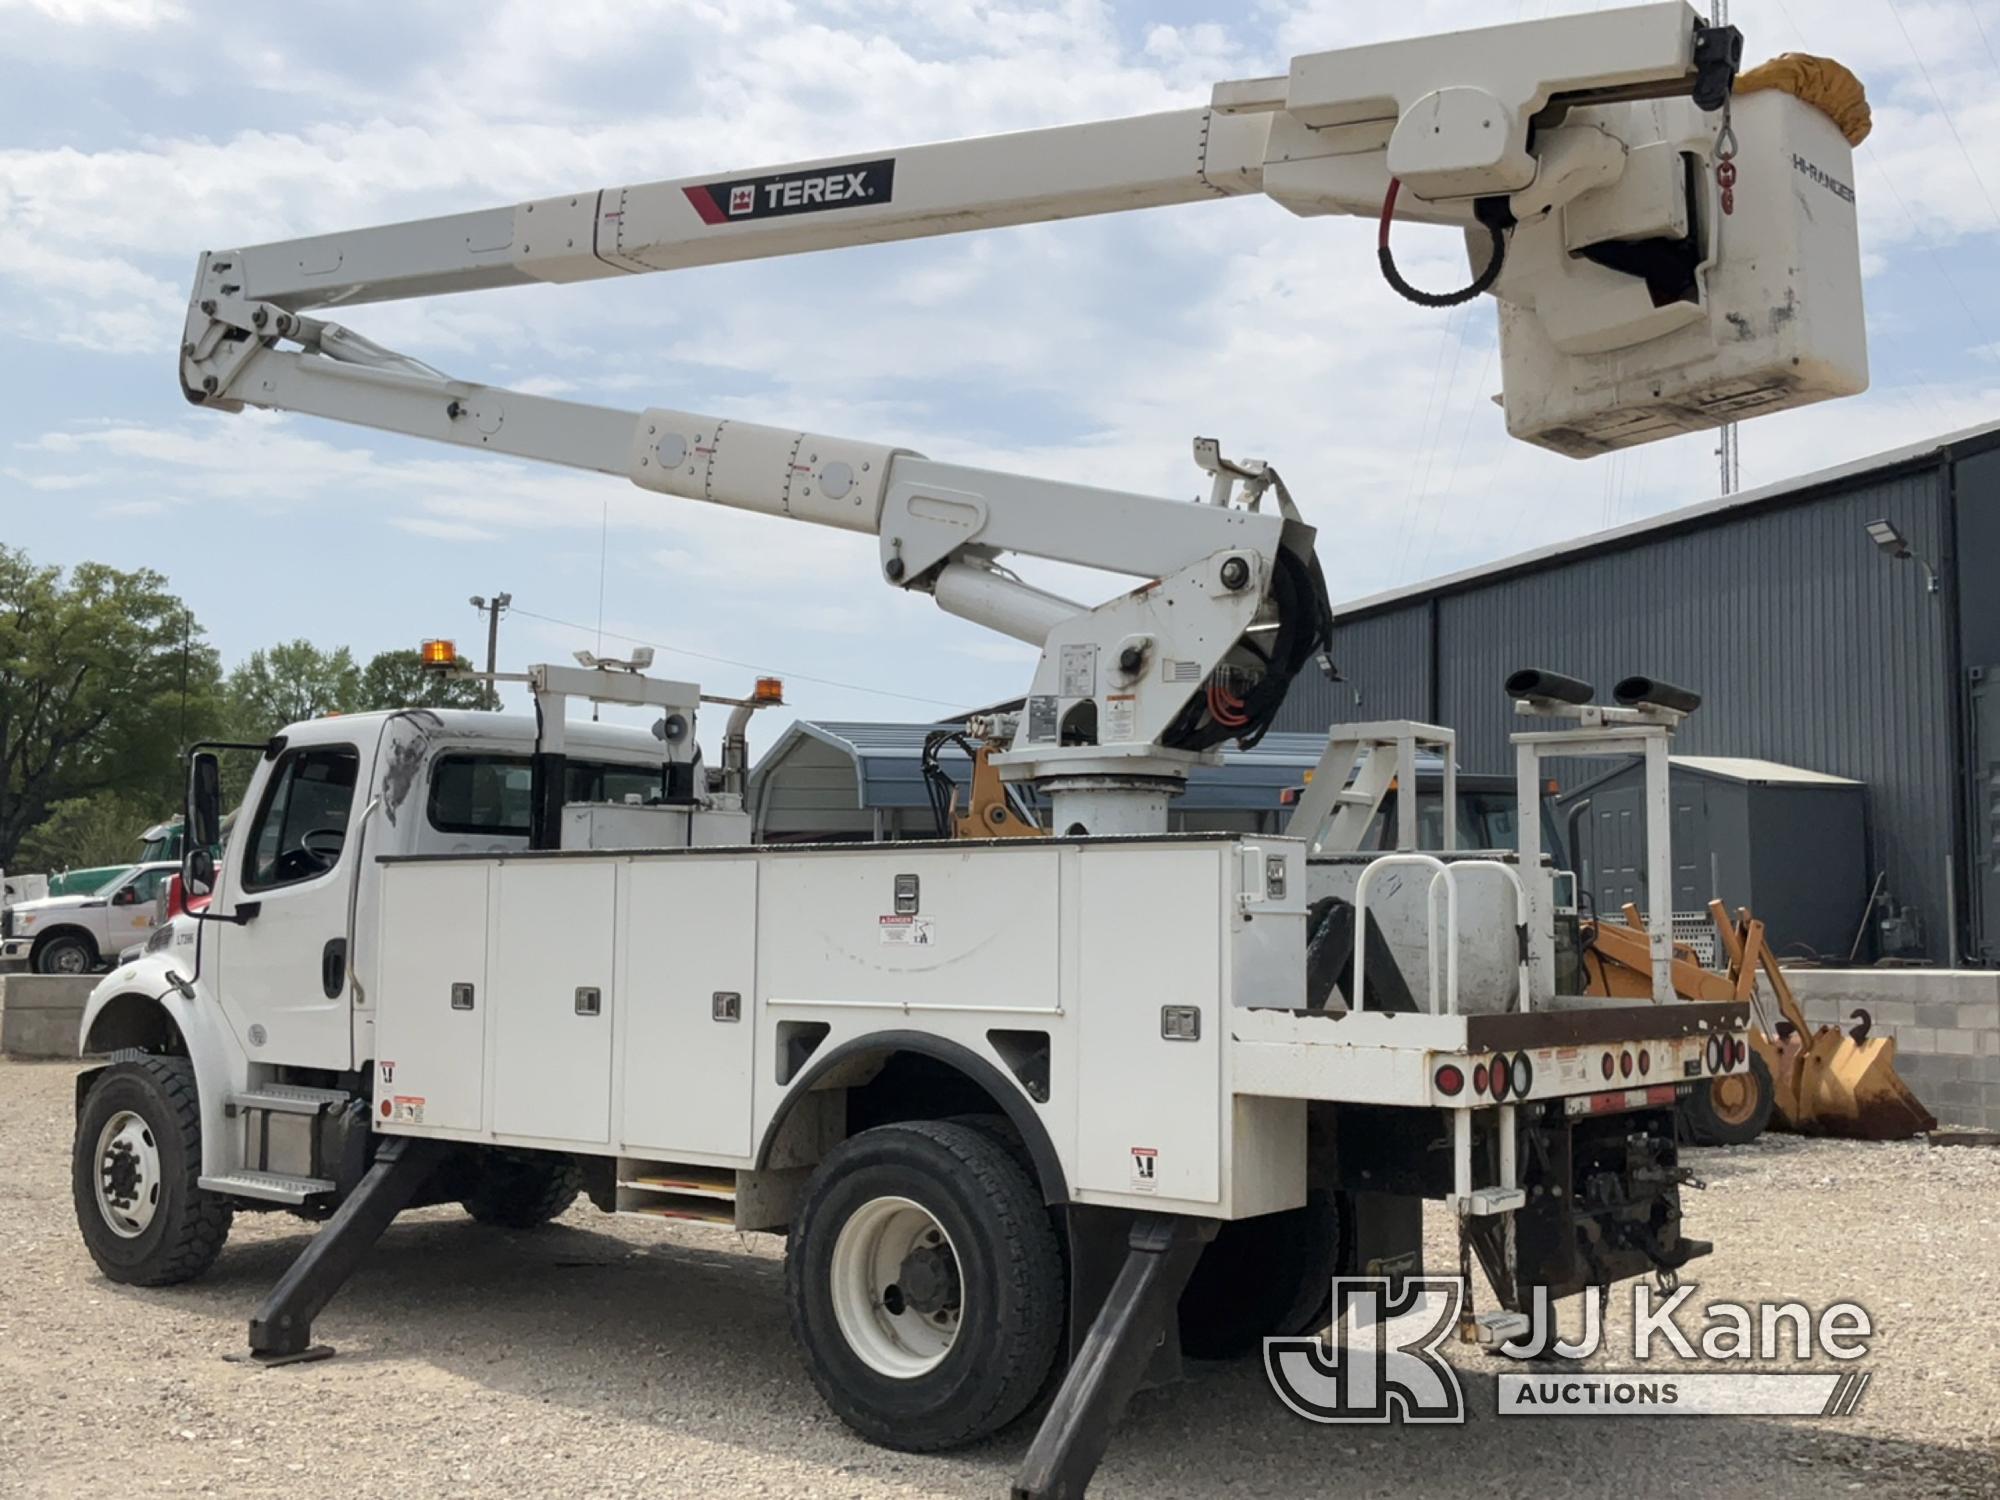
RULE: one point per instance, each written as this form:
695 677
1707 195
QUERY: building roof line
1785 491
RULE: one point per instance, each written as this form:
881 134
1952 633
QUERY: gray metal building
1811 646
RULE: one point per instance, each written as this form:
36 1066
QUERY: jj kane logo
1387 1368
1383 1364
852 184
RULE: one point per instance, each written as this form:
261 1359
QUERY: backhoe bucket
1854 1090
1844 1087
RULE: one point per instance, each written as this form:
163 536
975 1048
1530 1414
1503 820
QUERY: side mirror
202 821
203 814
127 897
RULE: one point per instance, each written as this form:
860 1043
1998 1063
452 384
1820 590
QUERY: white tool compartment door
431 1001
1151 936
684 1010
552 999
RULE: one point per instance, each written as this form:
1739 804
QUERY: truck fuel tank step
271 1187
289 1098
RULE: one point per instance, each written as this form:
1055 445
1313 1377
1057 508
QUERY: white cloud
1091 350
142 15
443 531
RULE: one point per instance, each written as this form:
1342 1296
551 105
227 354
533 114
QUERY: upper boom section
1583 154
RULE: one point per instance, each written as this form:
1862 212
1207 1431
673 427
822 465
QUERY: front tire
135 1173
1732 1110
926 1285
67 953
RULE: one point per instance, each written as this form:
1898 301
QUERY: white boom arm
1577 150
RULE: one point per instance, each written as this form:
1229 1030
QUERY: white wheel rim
884 1242
128 1174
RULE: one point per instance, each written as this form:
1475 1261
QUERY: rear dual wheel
926 1284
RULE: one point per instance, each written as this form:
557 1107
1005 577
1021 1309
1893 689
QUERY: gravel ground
610 1357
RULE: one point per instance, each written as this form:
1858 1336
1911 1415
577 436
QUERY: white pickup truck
79 934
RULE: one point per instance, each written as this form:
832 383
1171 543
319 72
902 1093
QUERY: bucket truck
1034 1114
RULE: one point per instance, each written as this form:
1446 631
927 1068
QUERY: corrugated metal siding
1384 663
1808 646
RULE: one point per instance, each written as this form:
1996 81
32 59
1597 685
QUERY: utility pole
493 612
1725 449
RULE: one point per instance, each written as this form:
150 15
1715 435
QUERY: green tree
288 682
399 679
102 829
102 673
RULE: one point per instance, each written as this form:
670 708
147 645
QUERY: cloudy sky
135 133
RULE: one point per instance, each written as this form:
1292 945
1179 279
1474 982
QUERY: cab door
134 911
283 965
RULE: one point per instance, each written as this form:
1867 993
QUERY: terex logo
850 185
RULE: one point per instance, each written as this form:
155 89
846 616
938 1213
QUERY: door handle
589 1000
333 967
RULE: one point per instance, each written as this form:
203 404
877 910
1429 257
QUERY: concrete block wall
40 1014
1946 1023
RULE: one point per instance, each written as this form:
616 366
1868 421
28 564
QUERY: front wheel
67 953
926 1285
1732 1109
135 1174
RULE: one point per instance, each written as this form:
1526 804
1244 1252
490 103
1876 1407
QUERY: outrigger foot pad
281 1330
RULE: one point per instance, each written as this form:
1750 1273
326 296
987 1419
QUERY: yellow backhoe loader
1815 1082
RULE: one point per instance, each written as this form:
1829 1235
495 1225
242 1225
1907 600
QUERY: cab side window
144 889
301 824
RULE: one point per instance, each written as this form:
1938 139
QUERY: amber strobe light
438 655
768 690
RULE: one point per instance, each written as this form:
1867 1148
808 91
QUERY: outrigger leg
281 1329
1161 1255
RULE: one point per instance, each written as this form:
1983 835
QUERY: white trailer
1031 1114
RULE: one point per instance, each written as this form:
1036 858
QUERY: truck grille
6 923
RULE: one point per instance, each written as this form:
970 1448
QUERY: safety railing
1443 876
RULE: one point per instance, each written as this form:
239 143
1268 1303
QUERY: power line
852 687
1980 27
1950 123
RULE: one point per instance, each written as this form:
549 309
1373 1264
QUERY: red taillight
1479 1079
1608 1066
1741 1051
1449 1080
1625 1064
386 1109
1498 1076
1645 1062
